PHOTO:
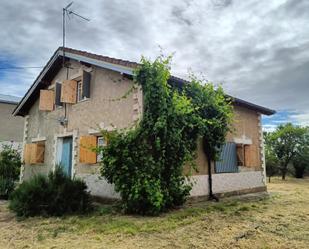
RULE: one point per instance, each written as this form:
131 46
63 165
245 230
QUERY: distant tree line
287 151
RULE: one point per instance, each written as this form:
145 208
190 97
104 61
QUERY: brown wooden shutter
27 153
86 154
86 84
69 91
251 156
46 100
34 153
240 155
39 155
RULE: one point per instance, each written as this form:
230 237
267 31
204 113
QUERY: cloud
258 50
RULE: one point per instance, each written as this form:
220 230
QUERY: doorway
64 154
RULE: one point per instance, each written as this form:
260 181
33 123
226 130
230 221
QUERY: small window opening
100 143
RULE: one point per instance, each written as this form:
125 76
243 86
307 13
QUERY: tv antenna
68 12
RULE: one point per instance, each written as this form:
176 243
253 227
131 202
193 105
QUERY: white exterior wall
222 183
98 186
227 182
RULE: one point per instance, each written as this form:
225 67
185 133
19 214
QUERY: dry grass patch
278 221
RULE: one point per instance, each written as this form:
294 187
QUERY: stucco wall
84 117
245 127
11 128
227 182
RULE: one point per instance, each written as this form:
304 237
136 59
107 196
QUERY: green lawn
278 221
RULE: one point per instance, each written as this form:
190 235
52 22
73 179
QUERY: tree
146 163
272 164
301 162
214 110
285 142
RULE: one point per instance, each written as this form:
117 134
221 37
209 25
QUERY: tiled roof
9 99
120 62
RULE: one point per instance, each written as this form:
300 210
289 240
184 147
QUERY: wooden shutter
69 91
86 84
251 156
39 152
86 146
58 94
240 155
27 153
46 100
34 153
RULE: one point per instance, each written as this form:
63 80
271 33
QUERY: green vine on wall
146 164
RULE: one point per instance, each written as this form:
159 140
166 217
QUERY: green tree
10 163
146 163
272 163
285 142
301 162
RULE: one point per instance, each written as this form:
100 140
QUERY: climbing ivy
146 163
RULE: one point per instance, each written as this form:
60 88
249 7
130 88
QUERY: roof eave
249 105
118 68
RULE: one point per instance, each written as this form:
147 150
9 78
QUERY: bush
54 195
10 163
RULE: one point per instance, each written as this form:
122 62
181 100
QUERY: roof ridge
105 58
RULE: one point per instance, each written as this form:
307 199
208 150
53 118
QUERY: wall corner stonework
262 149
25 137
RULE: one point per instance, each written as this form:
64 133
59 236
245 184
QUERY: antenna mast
68 12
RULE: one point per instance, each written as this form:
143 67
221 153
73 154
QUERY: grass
278 221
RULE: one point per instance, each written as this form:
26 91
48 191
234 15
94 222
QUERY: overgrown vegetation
146 163
55 195
10 163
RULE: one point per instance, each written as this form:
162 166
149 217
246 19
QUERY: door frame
58 149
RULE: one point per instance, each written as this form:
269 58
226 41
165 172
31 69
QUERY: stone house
11 128
66 107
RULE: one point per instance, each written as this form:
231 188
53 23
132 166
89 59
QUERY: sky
257 49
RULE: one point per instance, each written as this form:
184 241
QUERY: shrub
54 195
10 163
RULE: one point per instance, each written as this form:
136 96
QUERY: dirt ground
280 220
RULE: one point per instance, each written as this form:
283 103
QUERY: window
100 143
79 91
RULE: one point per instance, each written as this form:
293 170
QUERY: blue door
66 155
228 159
